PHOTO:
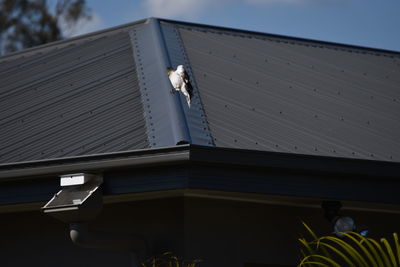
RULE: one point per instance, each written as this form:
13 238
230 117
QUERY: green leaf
315 237
316 256
382 252
389 251
396 242
310 231
349 249
317 263
338 252
304 255
366 252
373 250
306 245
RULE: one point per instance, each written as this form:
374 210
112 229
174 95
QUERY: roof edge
209 26
74 38
95 163
207 155
294 162
299 39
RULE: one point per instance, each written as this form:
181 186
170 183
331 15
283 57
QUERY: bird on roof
180 81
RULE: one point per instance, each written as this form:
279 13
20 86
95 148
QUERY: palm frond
350 249
169 259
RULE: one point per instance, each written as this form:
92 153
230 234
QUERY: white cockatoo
180 81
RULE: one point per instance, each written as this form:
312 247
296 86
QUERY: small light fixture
341 224
80 198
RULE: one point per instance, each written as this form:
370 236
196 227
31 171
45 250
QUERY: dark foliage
27 23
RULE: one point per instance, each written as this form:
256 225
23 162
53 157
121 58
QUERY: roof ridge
72 39
196 117
286 37
192 24
163 111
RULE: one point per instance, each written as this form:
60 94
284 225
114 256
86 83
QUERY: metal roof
70 99
108 92
272 93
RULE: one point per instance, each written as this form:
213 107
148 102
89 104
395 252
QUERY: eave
95 163
192 167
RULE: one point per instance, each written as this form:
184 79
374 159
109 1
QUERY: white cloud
82 26
177 8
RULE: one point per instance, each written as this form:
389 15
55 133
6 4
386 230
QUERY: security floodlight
78 202
341 224
75 179
80 198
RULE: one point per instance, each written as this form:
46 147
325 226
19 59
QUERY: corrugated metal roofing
287 95
87 95
72 98
195 117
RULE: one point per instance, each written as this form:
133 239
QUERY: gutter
193 167
298 163
99 162
202 155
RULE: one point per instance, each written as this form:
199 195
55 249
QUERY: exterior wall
230 233
35 239
220 232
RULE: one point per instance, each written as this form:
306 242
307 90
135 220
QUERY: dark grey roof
281 94
72 98
108 92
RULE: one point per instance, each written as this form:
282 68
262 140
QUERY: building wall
36 239
245 232
231 233
220 232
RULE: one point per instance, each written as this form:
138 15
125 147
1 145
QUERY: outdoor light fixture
78 202
80 198
341 224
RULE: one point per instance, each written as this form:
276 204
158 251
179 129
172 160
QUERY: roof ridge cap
372 50
163 111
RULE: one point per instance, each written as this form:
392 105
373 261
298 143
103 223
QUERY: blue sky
370 23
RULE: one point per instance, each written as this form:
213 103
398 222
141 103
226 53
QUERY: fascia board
195 154
294 162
